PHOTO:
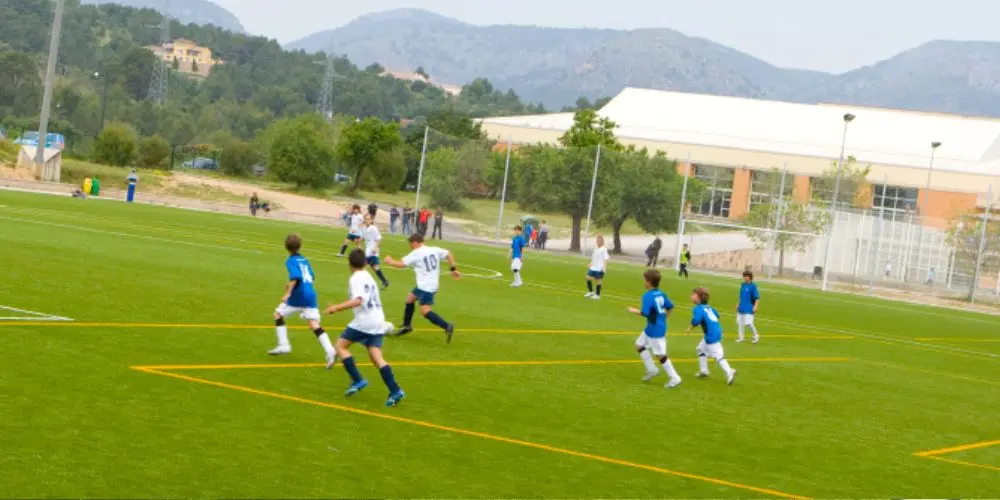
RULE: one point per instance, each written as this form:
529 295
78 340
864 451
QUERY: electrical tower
324 105
158 82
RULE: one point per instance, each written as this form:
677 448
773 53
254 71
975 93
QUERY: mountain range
555 66
201 12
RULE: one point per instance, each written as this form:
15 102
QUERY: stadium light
848 118
922 211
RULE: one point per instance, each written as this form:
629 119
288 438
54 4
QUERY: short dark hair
748 274
357 258
652 277
416 238
517 228
356 207
293 243
702 294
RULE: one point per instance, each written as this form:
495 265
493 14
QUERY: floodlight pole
503 193
982 246
590 207
50 78
878 237
423 160
680 216
848 118
923 212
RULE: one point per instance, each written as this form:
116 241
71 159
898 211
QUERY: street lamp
848 118
922 211
104 98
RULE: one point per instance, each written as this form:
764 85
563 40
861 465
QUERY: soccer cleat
356 388
673 383
701 374
731 378
395 398
756 339
739 341
331 359
515 285
280 351
403 330
595 297
589 295
449 332
650 376
340 256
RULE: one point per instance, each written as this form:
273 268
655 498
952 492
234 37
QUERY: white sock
671 372
754 330
324 340
724 364
517 278
282 332
647 359
703 363
739 329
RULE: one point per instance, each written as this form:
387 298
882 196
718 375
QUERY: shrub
116 145
238 158
153 152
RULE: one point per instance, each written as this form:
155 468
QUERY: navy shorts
597 275
424 298
353 237
365 339
372 261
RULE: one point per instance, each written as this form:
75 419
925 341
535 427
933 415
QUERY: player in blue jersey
747 307
516 255
653 339
368 329
299 297
707 318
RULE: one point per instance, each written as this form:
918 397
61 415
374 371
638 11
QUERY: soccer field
134 366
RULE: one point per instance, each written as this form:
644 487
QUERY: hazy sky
834 36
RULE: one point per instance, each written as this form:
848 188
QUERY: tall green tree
116 145
589 130
362 143
20 84
301 152
790 217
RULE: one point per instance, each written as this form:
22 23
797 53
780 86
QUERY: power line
324 105
158 82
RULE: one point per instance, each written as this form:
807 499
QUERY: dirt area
9 172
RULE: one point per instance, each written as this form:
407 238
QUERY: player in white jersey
598 266
373 241
426 262
368 329
355 229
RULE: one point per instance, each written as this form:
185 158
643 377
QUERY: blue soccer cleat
395 398
356 388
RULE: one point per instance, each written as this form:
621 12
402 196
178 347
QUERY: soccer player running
707 318
653 339
598 264
515 255
355 223
426 263
747 307
299 297
373 241
368 329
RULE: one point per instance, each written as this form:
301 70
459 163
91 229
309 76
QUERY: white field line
32 315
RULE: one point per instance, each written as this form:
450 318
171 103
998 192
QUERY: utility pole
158 83
50 79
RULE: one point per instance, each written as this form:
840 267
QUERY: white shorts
744 319
306 313
713 351
656 346
515 264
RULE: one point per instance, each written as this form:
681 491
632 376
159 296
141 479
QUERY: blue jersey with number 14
655 306
517 247
708 319
303 295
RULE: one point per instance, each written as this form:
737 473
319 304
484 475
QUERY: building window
718 193
821 192
764 186
897 201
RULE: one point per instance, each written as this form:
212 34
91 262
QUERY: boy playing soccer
598 264
707 318
300 297
373 240
653 339
745 310
368 329
517 245
355 222
426 263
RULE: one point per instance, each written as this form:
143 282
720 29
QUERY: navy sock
590 286
352 369
343 249
437 320
381 276
389 379
408 314
598 290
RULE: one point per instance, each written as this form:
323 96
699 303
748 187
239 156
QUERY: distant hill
556 66
201 12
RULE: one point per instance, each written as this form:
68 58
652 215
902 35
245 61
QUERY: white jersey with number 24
426 262
369 316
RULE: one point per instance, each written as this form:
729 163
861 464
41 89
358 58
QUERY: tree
794 217
301 152
854 188
116 145
451 122
194 66
965 235
363 143
20 84
420 71
153 152
442 179
238 158
590 129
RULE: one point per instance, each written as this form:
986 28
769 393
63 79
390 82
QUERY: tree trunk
356 185
781 260
574 242
617 227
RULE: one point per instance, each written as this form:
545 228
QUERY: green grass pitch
539 395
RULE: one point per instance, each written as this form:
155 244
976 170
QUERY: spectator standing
372 210
543 235
438 219
653 252
254 203
527 232
393 218
685 261
534 238
425 216
407 219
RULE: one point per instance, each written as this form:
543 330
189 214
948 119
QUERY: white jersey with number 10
427 262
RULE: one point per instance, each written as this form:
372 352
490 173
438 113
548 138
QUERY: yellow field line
956 449
223 326
484 363
967 464
481 435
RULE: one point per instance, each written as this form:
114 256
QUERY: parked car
201 163
53 141
341 178
3 134
259 170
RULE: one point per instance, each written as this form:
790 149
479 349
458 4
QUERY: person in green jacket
685 261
